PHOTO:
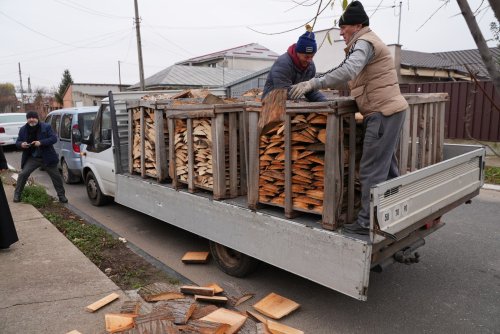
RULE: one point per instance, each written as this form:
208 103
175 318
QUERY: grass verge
127 269
492 175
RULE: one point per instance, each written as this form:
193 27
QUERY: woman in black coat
8 234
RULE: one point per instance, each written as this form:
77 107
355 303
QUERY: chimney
395 50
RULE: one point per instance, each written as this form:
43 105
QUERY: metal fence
469 112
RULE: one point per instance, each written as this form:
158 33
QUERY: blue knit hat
306 43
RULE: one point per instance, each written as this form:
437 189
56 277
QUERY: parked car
70 126
10 123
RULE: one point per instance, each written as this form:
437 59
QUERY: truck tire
233 262
94 192
67 176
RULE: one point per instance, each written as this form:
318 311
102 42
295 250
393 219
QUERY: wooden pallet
309 163
148 148
206 148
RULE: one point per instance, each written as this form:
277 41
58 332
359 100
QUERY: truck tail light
2 129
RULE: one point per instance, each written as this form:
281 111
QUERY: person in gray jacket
294 66
369 70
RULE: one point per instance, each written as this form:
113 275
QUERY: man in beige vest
369 71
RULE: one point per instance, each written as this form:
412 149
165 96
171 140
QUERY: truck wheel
66 174
232 262
94 192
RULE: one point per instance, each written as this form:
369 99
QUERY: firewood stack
308 138
203 153
150 139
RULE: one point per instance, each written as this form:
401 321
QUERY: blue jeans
378 161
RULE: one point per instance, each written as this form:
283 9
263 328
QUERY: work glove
296 91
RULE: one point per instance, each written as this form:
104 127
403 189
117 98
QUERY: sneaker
17 198
63 199
355 228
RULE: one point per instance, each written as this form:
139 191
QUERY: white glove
296 91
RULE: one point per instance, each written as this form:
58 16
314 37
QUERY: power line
91 11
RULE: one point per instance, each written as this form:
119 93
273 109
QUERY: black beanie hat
31 114
354 14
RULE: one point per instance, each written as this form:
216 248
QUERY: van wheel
67 176
233 262
94 192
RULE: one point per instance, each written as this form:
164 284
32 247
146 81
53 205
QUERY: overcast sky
89 37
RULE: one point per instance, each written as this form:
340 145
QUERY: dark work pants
378 161
30 166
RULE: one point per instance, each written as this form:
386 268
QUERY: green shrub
37 196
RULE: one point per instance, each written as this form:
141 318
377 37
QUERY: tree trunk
481 43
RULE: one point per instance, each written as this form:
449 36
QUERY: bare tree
486 56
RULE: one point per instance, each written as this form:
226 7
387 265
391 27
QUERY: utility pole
119 77
21 84
399 27
139 47
400 14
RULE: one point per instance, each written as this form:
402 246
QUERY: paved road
455 289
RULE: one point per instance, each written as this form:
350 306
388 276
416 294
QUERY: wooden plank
234 319
171 152
276 306
169 295
130 141
215 286
414 137
190 149
243 150
277 328
118 322
244 298
440 135
422 120
195 257
329 220
161 158
197 290
253 160
428 137
288 167
102 302
233 155
211 299
219 157
352 168
404 142
142 126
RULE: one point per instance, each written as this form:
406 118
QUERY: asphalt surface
455 288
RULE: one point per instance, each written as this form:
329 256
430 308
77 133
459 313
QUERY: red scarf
291 52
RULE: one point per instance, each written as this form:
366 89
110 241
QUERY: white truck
403 212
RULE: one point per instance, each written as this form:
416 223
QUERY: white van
71 125
10 123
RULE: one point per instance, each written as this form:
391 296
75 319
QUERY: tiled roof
200 76
451 60
427 60
471 58
253 50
